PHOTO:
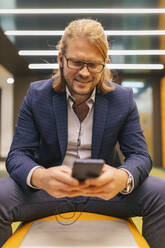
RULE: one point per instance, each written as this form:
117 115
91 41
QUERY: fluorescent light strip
134 32
43 66
136 52
38 52
110 52
61 32
133 84
34 32
84 11
110 66
136 66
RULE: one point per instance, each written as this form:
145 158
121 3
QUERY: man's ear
108 60
60 60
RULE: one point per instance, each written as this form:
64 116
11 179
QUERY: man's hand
57 181
107 185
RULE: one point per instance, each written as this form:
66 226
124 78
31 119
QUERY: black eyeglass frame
84 63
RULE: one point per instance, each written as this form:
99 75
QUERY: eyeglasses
78 65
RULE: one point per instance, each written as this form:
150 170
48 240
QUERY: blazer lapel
100 110
60 111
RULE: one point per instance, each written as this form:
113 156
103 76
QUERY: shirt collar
90 99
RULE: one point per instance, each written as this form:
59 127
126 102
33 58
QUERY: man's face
81 82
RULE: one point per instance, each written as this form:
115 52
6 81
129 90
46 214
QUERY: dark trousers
148 201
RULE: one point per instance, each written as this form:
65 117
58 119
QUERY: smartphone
87 168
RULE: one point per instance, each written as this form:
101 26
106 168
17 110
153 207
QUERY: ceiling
109 21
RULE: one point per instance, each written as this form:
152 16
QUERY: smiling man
80 114
81 78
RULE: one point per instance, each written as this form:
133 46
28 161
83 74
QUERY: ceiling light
84 11
61 32
43 66
134 32
110 52
136 52
110 66
136 66
38 52
10 80
34 32
135 84
135 90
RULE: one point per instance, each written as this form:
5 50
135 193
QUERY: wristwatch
130 185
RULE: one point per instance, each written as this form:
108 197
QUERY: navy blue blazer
41 133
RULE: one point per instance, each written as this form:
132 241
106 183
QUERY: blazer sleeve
21 157
133 145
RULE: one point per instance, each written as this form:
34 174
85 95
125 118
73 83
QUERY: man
80 114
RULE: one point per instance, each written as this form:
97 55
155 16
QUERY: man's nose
84 71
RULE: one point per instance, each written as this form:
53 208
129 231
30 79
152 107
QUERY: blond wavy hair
94 32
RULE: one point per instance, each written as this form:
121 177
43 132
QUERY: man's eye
76 63
91 65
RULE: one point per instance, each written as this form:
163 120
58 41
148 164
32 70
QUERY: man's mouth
82 82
